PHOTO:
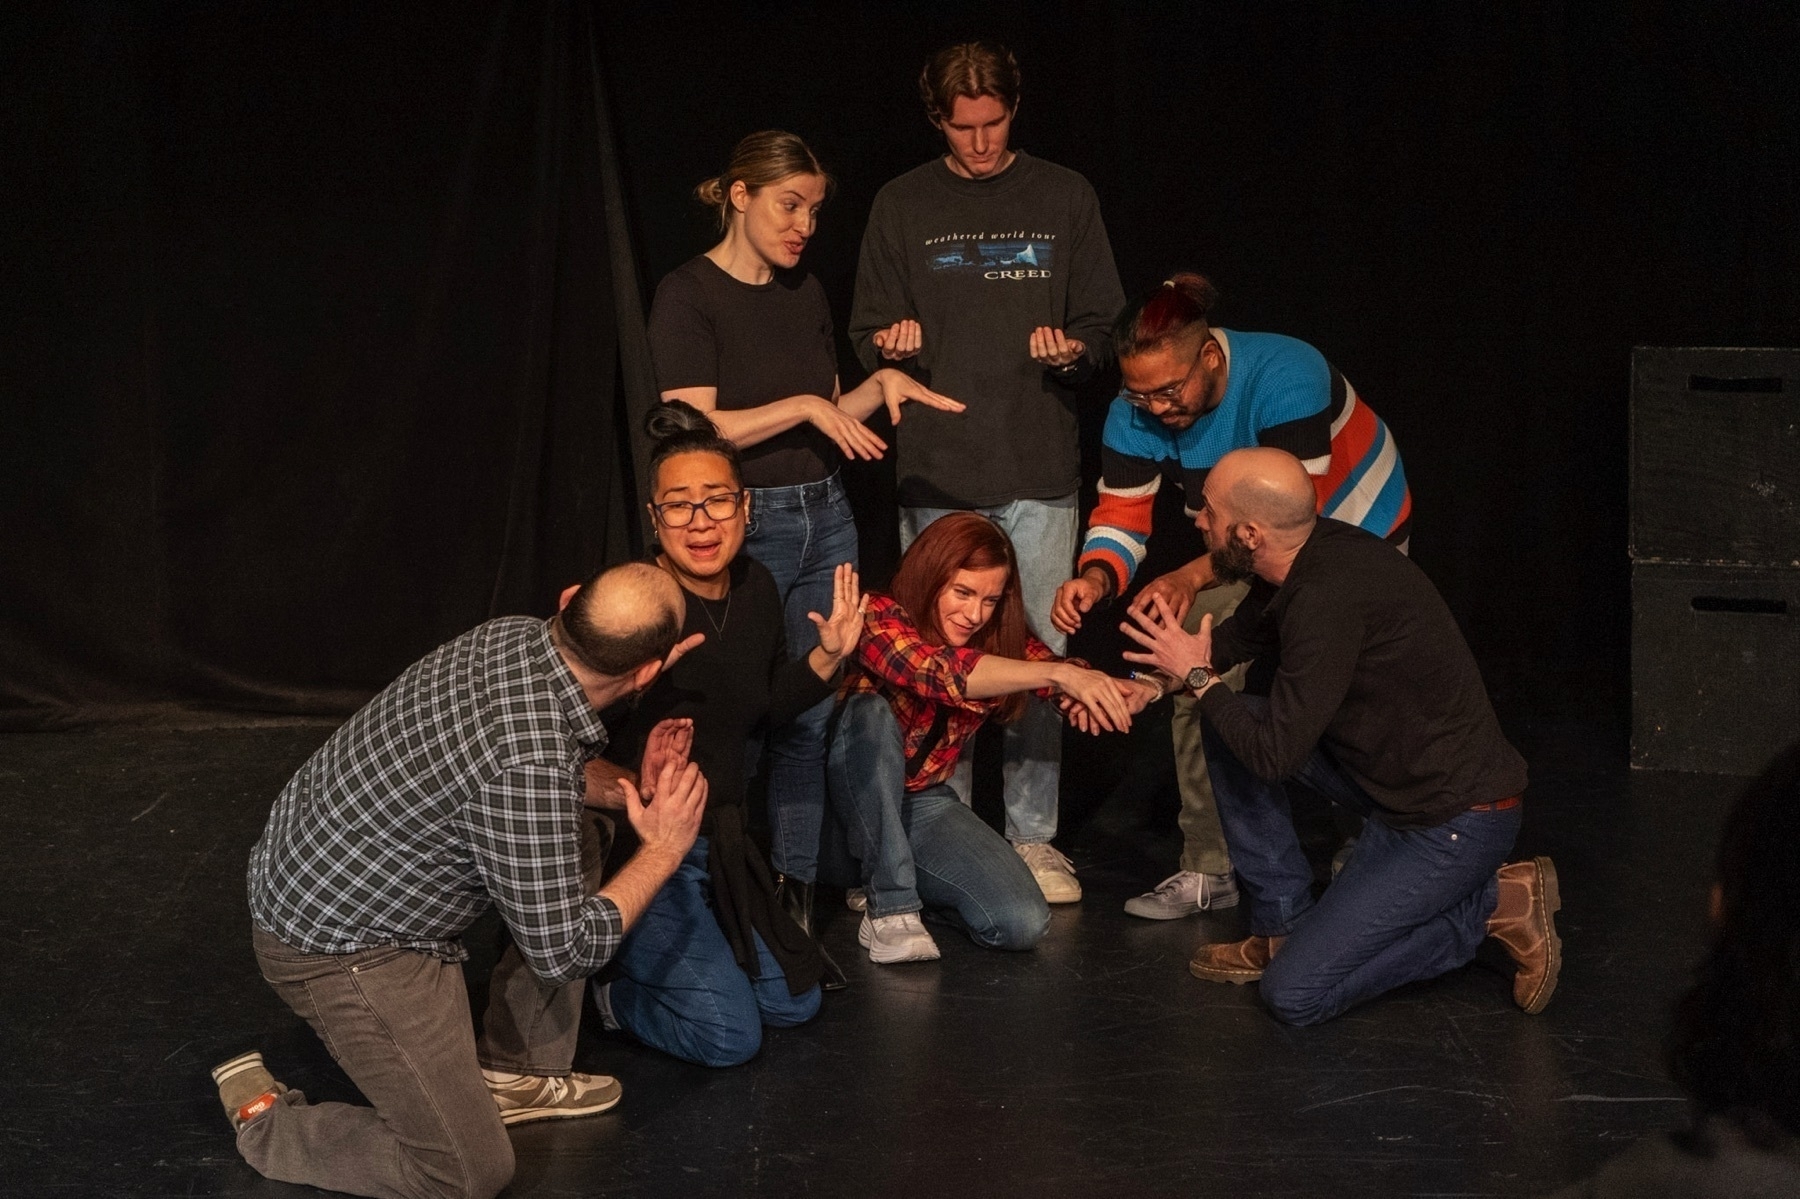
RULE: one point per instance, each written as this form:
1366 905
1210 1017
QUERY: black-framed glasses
678 514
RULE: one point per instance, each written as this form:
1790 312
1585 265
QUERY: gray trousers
398 1023
1202 841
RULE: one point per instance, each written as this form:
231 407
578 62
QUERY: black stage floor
1094 1065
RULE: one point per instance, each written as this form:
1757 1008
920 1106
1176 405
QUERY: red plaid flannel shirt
894 661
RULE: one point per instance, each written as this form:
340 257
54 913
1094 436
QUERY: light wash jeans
1043 534
801 534
925 848
1409 904
680 989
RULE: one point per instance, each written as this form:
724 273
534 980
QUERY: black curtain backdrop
318 352
315 353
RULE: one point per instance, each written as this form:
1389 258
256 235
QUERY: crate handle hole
1764 386
1732 603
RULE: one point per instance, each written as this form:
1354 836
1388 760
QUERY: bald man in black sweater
1376 703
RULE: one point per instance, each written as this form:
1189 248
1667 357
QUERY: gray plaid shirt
458 786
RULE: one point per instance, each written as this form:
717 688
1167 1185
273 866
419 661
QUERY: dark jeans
680 989
801 534
925 848
1409 904
398 1023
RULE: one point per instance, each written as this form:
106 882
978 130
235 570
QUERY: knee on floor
484 1171
1293 1001
1017 928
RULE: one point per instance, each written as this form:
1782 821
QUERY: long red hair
964 541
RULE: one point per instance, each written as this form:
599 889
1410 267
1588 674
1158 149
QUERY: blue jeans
801 534
680 989
1043 534
1410 904
925 848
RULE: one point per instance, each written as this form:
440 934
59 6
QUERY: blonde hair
759 160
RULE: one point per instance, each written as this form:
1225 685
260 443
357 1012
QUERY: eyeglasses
679 514
1150 401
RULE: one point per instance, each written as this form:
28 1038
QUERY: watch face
1196 678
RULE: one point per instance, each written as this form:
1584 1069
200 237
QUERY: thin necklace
718 625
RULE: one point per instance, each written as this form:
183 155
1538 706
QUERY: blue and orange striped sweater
1279 392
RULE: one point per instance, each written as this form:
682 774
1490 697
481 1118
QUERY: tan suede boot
1525 922
1234 961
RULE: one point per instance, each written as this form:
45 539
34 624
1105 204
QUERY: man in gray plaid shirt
460 786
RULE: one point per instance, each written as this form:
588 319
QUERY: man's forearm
638 881
602 781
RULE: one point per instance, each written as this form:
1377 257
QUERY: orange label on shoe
256 1107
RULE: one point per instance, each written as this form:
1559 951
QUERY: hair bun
711 193
1196 287
675 418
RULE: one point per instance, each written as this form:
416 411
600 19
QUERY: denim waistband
799 495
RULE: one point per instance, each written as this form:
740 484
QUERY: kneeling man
1377 704
458 788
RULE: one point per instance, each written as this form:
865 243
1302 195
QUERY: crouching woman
946 650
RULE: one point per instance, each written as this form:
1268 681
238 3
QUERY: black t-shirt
756 343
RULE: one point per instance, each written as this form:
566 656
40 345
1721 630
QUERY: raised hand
671 741
671 823
899 340
839 633
1051 348
1166 646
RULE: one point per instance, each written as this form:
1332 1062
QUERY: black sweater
737 682
1374 669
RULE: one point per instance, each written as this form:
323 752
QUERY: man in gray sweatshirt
987 274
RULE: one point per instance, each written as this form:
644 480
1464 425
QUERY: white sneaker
1054 873
901 938
1184 893
857 899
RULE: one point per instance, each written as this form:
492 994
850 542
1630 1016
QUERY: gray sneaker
1184 893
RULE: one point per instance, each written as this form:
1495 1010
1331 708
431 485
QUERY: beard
1233 562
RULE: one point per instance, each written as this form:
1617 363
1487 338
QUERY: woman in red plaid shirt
942 653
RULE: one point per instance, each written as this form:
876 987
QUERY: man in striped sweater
1192 394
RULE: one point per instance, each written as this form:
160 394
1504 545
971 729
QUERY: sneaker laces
1036 851
1175 882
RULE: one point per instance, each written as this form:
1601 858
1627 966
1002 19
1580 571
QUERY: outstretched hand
839 633
897 387
1051 348
899 340
1096 695
1166 646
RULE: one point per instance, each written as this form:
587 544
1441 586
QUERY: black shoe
796 899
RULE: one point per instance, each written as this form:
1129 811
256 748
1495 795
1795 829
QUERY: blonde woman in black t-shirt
745 336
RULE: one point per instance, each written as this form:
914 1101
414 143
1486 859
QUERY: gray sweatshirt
980 263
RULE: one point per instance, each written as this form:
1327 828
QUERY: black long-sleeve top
738 682
1372 667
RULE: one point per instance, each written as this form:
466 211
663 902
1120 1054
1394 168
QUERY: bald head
1268 487
624 617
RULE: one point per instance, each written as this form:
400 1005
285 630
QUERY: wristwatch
1199 677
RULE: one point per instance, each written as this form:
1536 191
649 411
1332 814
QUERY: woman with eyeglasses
744 335
715 957
1193 392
